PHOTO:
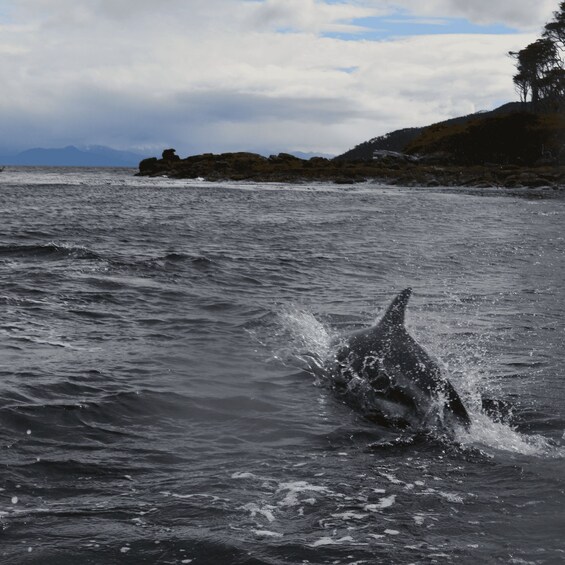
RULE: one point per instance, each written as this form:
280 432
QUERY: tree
541 66
555 30
522 85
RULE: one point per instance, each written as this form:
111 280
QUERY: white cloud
309 15
214 75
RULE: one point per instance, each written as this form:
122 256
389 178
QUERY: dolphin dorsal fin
394 316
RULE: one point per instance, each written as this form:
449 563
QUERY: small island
520 144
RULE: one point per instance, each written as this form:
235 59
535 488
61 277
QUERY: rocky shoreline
392 171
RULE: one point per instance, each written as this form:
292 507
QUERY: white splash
309 339
295 488
500 436
468 365
266 511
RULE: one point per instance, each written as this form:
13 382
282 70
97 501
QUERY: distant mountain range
71 156
302 155
93 156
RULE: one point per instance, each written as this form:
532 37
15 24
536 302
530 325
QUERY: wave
48 250
114 263
175 260
196 260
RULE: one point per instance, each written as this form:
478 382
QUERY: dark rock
284 157
528 180
170 155
147 165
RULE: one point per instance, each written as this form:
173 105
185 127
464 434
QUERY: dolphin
386 375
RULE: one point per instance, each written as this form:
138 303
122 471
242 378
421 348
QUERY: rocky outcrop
390 170
170 155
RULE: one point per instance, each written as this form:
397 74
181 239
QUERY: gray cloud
203 75
233 106
128 120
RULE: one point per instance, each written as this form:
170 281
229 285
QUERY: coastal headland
507 147
289 169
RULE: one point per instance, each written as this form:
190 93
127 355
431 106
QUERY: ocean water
155 402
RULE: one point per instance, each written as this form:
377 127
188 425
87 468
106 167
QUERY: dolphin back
399 378
394 315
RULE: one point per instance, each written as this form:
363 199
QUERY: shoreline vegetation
520 144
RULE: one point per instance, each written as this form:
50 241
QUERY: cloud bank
221 75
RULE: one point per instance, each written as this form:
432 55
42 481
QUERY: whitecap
243 475
391 478
350 515
385 502
267 534
331 541
265 511
295 488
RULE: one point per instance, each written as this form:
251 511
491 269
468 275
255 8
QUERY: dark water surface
153 408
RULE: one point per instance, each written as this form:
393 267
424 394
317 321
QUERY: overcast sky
255 75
